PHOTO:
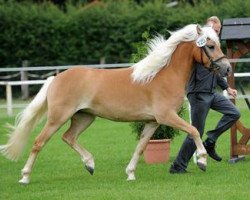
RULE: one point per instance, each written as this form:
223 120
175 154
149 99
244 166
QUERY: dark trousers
200 104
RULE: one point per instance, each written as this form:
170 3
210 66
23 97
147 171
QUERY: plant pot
157 151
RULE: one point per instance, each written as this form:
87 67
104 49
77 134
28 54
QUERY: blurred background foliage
69 32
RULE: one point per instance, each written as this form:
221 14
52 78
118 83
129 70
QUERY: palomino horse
152 90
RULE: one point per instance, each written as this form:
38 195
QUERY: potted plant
158 148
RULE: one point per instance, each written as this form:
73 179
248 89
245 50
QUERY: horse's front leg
148 131
172 119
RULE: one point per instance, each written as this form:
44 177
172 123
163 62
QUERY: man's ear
199 30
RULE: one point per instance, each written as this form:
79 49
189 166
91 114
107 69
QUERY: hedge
44 35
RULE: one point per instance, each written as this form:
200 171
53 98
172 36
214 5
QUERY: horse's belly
124 115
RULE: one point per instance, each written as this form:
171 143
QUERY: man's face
217 28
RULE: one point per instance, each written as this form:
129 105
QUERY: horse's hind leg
147 133
80 122
40 141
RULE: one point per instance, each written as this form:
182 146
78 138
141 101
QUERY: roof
236 29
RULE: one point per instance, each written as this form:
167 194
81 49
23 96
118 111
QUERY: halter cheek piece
201 42
213 63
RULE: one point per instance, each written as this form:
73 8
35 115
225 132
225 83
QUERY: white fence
9 106
9 84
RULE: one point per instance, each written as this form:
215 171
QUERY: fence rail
50 68
9 84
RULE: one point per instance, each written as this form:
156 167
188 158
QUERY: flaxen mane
161 50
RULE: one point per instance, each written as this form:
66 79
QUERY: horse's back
101 92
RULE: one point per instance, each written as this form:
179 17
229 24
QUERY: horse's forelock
210 33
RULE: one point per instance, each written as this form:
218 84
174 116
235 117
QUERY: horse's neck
182 63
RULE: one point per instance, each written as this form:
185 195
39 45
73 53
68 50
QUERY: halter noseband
213 63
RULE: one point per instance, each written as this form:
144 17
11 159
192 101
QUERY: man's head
215 23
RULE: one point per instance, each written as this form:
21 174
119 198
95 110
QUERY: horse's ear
199 30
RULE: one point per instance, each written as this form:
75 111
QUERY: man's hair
214 19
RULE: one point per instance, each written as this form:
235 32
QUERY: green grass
60 174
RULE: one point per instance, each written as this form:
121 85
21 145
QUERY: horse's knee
193 132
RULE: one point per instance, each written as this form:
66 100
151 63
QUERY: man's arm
222 82
224 86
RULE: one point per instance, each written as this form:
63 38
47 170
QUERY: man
202 96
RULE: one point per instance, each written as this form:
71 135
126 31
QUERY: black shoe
176 169
210 148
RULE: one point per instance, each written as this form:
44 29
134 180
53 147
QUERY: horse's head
209 52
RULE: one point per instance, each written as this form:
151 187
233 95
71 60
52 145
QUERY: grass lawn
59 173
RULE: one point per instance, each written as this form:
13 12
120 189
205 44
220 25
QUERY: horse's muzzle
225 68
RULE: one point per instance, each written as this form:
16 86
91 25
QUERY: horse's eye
211 47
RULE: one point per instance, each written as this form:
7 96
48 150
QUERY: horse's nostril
228 69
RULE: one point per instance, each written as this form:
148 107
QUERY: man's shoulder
201 68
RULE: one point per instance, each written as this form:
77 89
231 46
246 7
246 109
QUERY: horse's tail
25 123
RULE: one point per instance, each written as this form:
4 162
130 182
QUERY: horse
151 90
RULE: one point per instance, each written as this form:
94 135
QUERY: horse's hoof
201 166
90 169
130 173
24 181
131 177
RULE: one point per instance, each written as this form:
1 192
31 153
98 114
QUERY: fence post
103 60
9 99
24 77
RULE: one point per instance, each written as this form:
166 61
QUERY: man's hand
232 92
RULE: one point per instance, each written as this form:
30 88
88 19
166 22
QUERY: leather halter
213 63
